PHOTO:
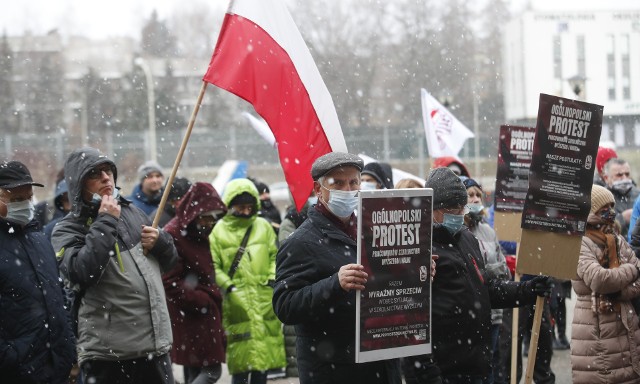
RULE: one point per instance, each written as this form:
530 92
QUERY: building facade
590 55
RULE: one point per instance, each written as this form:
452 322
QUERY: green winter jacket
254 333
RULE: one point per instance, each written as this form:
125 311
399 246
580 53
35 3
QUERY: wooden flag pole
515 341
176 164
533 344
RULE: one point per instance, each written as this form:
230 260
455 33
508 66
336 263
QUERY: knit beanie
448 190
604 154
377 171
469 182
600 196
145 169
243 198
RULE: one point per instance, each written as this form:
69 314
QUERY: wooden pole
533 344
176 164
515 341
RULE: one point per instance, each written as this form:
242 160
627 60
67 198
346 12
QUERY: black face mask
170 209
241 215
266 203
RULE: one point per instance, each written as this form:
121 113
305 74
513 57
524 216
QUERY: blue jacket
148 204
36 339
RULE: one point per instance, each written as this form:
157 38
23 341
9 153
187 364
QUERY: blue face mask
342 203
368 186
20 212
453 223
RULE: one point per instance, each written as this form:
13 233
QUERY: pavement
560 363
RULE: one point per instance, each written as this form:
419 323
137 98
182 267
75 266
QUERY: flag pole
176 164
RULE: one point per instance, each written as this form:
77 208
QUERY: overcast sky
124 17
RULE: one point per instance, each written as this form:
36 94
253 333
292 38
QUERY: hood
201 198
61 189
233 189
445 161
78 164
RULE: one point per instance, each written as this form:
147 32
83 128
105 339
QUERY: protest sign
512 179
393 312
560 179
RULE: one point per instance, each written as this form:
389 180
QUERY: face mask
368 186
608 215
475 208
20 212
622 186
97 199
266 203
240 214
453 223
342 203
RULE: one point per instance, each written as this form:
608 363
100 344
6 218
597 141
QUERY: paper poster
393 314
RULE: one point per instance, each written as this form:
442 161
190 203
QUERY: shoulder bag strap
236 260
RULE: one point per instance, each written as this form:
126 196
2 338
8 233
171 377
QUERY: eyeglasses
96 172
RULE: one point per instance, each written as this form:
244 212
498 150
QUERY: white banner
444 133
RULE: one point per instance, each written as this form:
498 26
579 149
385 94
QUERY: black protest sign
514 159
394 246
564 151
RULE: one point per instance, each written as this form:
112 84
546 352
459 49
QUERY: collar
350 229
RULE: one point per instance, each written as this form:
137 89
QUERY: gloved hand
538 286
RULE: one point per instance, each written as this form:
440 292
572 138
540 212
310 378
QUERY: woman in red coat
193 298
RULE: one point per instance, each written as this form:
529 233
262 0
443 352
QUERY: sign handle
533 344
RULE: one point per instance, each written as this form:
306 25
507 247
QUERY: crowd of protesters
92 291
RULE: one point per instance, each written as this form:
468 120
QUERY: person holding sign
605 334
317 279
463 293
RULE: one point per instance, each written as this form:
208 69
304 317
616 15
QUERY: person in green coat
255 342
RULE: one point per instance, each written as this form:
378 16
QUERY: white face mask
97 198
20 212
342 203
368 185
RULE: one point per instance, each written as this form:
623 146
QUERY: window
611 67
580 49
626 67
557 57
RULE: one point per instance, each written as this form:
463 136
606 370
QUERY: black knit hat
243 198
377 171
179 188
448 190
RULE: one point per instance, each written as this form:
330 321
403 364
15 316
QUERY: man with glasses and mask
36 340
463 294
317 279
112 259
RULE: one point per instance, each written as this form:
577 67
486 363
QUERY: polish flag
445 134
261 57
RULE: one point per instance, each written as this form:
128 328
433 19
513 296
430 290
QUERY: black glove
538 286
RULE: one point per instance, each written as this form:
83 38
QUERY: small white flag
444 133
262 128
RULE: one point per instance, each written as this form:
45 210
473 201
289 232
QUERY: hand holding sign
352 276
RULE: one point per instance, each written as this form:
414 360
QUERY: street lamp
577 84
151 101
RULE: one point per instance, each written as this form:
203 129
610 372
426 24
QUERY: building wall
542 51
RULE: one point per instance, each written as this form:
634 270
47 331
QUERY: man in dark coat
36 339
317 279
463 294
194 300
113 259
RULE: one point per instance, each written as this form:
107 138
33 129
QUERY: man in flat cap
36 340
463 294
317 279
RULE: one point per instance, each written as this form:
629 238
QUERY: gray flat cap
331 160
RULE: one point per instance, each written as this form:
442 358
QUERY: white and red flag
445 134
261 57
